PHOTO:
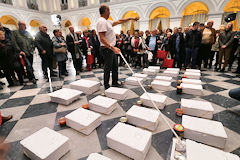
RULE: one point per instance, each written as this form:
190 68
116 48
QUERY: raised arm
124 20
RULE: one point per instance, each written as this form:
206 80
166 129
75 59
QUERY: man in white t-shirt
107 39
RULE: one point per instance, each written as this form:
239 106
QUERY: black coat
7 53
148 40
70 43
95 43
43 42
85 47
8 33
172 44
193 39
226 38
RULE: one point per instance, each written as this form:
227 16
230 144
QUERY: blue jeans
191 53
235 93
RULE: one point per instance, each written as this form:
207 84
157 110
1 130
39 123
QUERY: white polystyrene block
96 156
45 144
116 93
164 78
205 131
143 117
170 73
198 151
173 69
133 81
161 85
197 108
129 140
159 100
193 89
87 86
193 70
191 81
192 75
139 75
102 104
150 72
156 68
65 96
83 120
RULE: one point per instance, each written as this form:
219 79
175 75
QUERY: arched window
64 4
159 19
32 4
130 25
6 1
82 3
9 22
104 1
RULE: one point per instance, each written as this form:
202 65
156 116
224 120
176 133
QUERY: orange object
179 81
184 76
179 111
179 129
62 121
85 106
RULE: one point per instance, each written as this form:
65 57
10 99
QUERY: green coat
23 42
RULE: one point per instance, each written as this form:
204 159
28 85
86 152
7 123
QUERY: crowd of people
196 46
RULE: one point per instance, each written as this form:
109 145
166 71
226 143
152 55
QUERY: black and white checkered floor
32 111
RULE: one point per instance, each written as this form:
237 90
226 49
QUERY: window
82 3
32 4
104 1
6 1
64 4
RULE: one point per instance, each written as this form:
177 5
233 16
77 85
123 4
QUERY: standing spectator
96 49
122 34
193 41
73 45
60 51
208 39
152 42
186 29
147 33
7 31
128 47
45 48
24 45
176 44
233 56
215 51
145 55
225 42
137 45
87 45
202 27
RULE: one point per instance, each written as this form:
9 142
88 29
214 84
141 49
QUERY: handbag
168 62
90 59
161 54
150 55
60 50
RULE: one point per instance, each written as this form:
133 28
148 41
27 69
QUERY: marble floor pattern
32 110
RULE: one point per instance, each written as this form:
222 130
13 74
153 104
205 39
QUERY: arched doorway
9 22
130 25
85 24
159 19
65 27
233 6
196 11
34 27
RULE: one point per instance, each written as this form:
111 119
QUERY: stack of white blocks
129 140
143 117
192 75
45 144
96 156
65 96
192 81
159 100
173 69
197 108
170 73
87 86
139 75
150 72
156 68
83 120
161 85
133 81
192 89
102 104
205 131
163 78
116 93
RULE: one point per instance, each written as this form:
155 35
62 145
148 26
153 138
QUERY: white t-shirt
104 25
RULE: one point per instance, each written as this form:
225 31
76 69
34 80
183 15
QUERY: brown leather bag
60 50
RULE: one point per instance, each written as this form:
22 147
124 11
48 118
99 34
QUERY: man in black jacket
73 45
193 40
152 42
7 31
45 48
96 49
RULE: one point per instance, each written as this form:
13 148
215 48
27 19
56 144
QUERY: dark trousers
145 60
47 62
61 67
204 54
178 60
128 55
7 73
191 53
238 68
16 67
154 60
235 93
77 62
226 54
110 64
29 62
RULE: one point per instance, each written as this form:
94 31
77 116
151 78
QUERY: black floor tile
170 112
47 90
207 80
236 151
174 84
226 75
229 119
103 130
54 79
16 152
33 86
57 127
17 102
128 103
40 109
88 76
172 94
6 95
69 81
221 100
162 142
213 88
98 71
139 91
233 81
6 128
